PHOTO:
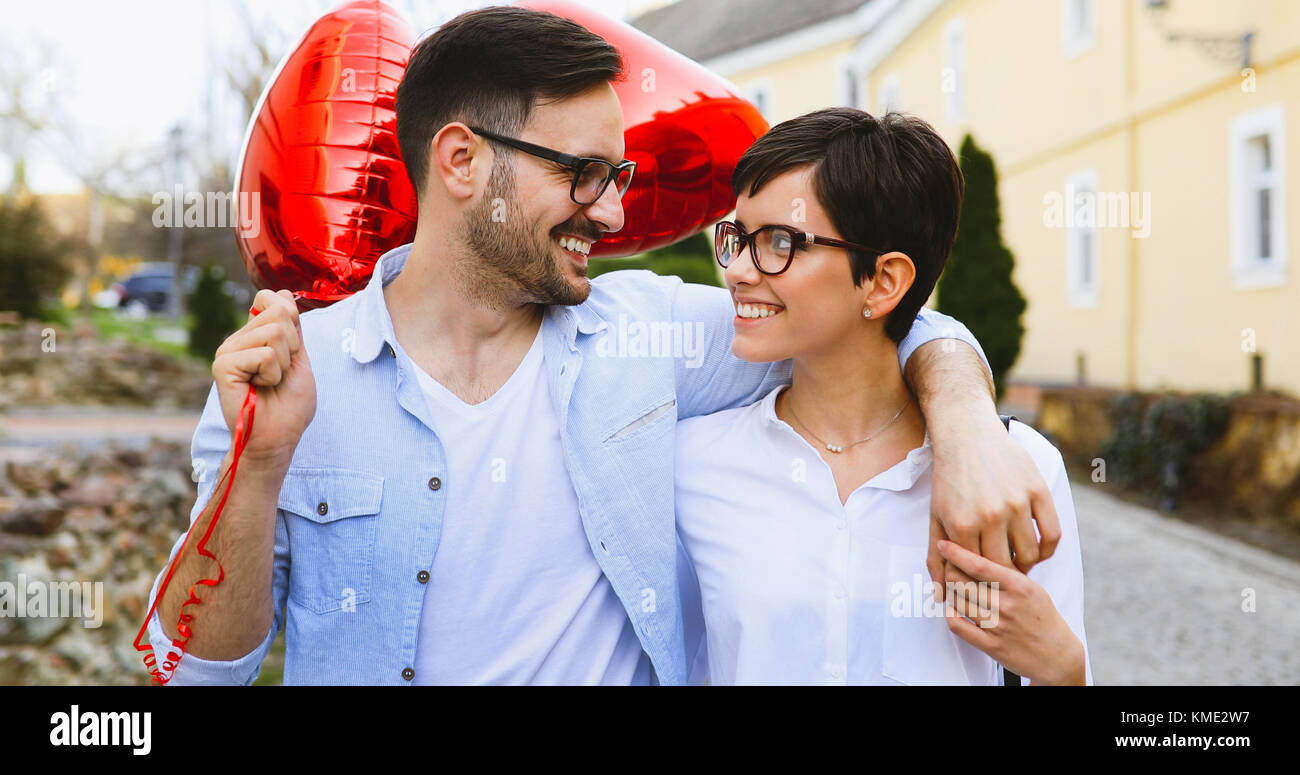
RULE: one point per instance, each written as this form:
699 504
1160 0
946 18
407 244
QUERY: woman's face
814 303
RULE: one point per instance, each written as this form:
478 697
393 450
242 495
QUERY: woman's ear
454 155
895 274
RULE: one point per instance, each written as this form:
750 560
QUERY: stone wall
106 516
1254 469
1251 470
46 365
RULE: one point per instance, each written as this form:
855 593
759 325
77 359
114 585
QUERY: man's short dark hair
489 68
890 183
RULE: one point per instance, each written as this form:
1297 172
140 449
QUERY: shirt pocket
661 416
918 648
331 516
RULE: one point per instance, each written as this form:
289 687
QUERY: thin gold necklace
841 447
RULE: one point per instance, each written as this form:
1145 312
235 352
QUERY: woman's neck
852 392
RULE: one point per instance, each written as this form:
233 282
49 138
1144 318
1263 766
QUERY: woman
806 515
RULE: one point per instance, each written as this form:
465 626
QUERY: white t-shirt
515 595
798 588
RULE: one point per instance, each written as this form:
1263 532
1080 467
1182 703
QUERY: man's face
526 221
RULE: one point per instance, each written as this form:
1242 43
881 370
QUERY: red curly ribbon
160 676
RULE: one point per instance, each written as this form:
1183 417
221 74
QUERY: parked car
149 287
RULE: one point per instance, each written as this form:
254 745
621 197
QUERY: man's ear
456 156
895 274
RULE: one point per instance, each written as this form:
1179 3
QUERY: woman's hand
1010 617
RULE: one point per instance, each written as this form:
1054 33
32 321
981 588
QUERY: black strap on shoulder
1009 678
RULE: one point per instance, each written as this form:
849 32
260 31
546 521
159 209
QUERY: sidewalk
25 433
1164 600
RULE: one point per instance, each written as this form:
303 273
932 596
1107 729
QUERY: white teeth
575 244
755 311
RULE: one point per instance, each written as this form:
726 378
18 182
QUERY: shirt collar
900 477
373 327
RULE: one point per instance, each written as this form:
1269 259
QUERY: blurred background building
1141 147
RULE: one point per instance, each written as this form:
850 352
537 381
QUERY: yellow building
1141 148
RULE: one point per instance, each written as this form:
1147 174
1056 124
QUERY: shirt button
322 508
435 483
840 525
408 673
835 672
422 576
839 593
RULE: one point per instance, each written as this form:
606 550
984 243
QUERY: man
466 482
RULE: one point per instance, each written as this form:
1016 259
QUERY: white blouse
798 588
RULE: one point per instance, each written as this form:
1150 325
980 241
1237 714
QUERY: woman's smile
753 312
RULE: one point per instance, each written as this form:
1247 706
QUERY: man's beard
507 264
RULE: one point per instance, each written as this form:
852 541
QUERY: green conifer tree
33 257
212 313
977 286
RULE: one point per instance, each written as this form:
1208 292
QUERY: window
1257 150
1077 20
889 93
953 78
1082 239
848 85
760 93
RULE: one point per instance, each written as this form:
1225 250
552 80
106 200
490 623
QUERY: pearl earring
866 313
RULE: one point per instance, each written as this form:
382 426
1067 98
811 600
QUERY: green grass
691 259
272 672
109 325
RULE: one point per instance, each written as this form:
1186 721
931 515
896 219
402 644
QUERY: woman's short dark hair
489 68
891 183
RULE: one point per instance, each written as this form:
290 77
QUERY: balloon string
161 675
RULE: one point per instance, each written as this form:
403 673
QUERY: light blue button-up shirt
622 367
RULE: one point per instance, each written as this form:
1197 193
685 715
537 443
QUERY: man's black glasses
591 176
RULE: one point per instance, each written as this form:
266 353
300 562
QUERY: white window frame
891 90
1078 293
847 81
1249 268
1075 39
760 93
954 58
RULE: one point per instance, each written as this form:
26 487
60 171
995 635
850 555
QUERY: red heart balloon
684 126
321 184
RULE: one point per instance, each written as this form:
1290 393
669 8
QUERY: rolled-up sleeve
929 326
193 671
